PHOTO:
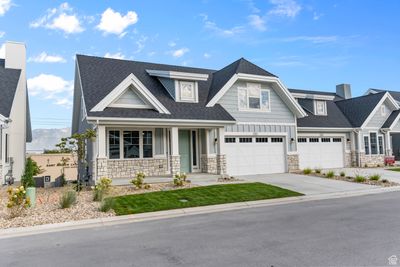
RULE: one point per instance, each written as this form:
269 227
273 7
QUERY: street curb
116 220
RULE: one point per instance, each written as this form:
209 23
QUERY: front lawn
198 196
394 169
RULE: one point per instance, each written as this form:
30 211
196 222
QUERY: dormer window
320 108
187 91
254 98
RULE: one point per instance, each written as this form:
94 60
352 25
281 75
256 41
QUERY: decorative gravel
47 209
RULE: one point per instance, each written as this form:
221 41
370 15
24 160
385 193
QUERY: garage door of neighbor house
320 152
255 155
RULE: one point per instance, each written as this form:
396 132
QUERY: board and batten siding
279 113
378 119
277 120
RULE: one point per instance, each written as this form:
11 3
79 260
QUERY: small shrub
146 186
67 199
375 177
385 181
63 180
180 179
78 185
106 205
330 174
318 171
101 189
342 174
138 181
307 171
359 179
17 201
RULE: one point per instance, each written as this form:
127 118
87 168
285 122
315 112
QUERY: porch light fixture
348 140
291 140
215 140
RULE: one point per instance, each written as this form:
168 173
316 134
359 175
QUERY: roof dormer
182 86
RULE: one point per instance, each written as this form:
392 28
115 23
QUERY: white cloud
61 18
117 55
317 16
171 44
2 34
5 5
257 22
3 51
45 58
212 26
206 55
312 39
152 53
113 22
48 86
285 8
140 44
179 52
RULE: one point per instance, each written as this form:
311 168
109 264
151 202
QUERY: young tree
31 169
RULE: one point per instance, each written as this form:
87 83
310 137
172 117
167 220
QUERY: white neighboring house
15 124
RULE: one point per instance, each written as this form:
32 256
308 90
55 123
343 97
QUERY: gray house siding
279 113
396 128
130 97
378 120
159 141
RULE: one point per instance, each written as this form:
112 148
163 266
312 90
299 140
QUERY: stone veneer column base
209 164
174 164
348 161
221 164
293 162
101 167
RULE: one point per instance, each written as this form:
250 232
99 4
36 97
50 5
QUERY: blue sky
309 44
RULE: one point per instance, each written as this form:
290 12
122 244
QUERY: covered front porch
123 150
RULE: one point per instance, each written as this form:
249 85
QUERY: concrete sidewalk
49 228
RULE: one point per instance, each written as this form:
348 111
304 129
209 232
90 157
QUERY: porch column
221 157
175 158
100 169
353 154
388 144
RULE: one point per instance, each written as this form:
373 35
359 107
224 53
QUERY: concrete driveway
308 185
383 172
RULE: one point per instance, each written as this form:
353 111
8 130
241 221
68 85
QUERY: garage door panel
321 154
255 158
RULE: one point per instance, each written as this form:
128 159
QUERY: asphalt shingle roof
334 118
394 94
8 85
357 109
391 119
100 76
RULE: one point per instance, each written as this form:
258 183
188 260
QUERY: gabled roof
388 123
8 85
334 118
99 76
221 77
394 94
358 109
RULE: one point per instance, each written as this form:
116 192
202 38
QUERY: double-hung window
380 145
254 98
374 143
366 145
135 144
320 108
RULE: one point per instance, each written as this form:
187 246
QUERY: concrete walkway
305 184
392 176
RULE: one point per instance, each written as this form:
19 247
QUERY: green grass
394 169
197 196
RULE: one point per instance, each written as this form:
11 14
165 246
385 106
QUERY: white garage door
255 155
320 152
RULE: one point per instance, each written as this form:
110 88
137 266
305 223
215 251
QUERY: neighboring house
15 124
341 131
239 120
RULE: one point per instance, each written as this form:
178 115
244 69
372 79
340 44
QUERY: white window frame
180 98
325 112
121 142
248 108
383 110
383 144
369 144
379 152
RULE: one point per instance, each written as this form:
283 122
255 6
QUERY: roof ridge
145 62
362 96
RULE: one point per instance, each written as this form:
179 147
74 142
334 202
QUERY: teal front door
184 150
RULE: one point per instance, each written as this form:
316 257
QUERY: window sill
256 110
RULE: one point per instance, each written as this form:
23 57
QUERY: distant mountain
46 139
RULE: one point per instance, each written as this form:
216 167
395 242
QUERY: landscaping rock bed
380 182
47 209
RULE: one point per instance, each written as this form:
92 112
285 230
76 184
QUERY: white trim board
178 75
313 96
121 88
296 108
267 123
